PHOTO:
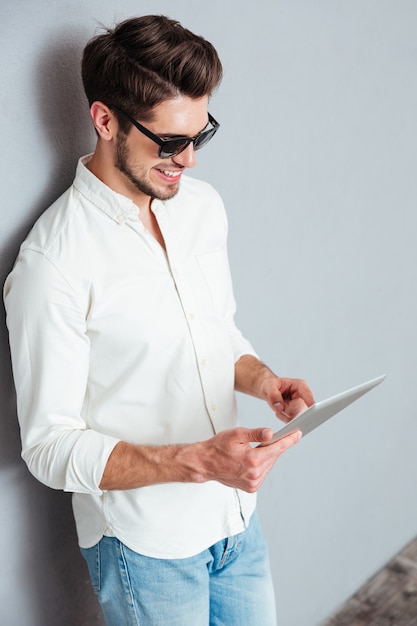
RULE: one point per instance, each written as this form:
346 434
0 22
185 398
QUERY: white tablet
320 412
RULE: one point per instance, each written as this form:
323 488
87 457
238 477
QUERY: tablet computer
320 412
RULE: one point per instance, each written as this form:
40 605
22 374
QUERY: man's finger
259 434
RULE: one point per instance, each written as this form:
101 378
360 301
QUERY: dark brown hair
146 60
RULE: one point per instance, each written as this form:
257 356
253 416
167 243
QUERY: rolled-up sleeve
46 319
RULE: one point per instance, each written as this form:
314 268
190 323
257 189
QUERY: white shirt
112 338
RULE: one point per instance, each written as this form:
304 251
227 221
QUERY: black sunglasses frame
178 144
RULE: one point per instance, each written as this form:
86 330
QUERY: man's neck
101 166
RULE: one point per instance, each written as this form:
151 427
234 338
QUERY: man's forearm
227 457
131 466
250 373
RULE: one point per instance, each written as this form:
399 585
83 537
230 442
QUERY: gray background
316 161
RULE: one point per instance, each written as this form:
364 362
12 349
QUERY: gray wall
316 161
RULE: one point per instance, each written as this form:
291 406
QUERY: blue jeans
229 584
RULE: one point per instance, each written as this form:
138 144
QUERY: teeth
170 173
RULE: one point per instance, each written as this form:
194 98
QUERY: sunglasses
171 147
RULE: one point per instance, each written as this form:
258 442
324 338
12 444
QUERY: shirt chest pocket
214 269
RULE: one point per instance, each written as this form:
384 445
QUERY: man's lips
171 176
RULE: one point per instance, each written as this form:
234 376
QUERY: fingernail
278 406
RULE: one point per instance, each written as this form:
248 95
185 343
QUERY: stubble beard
121 163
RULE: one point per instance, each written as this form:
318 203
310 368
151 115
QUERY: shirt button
213 407
192 317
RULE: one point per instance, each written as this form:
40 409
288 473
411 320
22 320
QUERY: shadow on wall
36 521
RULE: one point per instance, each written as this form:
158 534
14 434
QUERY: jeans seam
128 581
98 566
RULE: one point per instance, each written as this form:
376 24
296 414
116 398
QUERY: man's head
145 61
152 74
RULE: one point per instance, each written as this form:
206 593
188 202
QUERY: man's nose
186 158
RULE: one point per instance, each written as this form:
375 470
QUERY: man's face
144 173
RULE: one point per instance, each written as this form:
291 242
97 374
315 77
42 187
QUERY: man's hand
229 458
287 397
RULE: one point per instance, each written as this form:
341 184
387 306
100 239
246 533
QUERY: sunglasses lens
204 138
172 148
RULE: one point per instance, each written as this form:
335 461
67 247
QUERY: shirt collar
115 205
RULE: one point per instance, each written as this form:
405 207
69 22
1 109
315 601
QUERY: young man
125 353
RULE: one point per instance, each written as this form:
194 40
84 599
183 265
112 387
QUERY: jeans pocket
92 557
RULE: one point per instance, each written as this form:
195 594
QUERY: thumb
259 434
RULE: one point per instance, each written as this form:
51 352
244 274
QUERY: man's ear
104 121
